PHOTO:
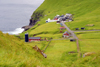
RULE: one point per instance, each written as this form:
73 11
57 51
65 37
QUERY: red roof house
34 38
58 21
65 34
55 18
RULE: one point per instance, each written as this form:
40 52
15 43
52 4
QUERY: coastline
27 27
17 31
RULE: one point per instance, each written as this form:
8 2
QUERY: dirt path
74 36
72 33
85 30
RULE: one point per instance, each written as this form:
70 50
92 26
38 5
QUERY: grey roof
34 37
65 32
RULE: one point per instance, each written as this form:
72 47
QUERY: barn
34 38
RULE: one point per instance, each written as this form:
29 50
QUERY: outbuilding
58 21
61 24
61 28
34 38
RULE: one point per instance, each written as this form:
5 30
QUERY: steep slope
15 53
84 9
85 12
59 51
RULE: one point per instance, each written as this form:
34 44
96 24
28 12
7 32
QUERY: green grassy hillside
85 12
15 53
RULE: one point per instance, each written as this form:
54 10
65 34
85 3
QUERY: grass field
14 52
85 12
90 40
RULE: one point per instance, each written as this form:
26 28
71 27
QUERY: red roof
66 34
62 27
55 19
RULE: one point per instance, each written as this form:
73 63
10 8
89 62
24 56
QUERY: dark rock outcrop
34 19
27 27
32 22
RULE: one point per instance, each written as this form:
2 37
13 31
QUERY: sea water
16 13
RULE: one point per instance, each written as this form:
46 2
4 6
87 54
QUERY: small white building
51 20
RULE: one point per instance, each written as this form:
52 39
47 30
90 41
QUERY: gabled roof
34 37
65 32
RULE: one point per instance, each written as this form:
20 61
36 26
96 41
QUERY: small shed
58 21
61 24
72 40
61 31
77 28
34 38
61 28
82 28
90 25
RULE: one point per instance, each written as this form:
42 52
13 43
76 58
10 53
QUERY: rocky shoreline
26 27
34 19
31 24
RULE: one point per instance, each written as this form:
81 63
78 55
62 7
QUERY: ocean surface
16 13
